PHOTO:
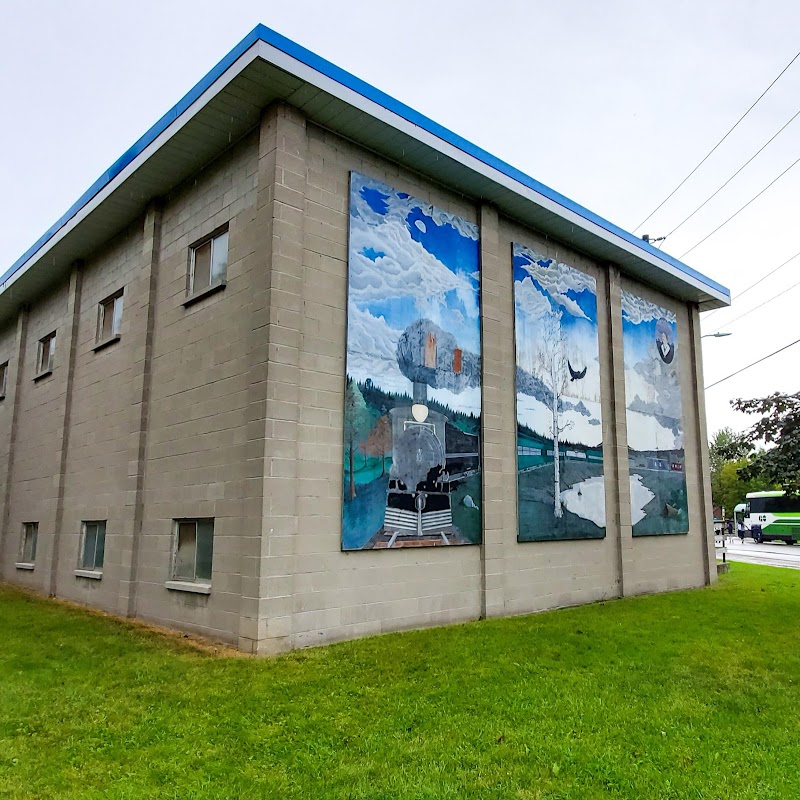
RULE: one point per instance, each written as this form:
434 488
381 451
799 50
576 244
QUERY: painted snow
561 491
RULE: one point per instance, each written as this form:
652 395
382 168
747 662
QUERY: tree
719 450
779 429
724 450
379 442
553 371
356 417
728 488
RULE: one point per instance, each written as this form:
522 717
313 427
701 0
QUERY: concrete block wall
661 563
538 575
339 594
103 394
197 407
34 466
232 408
12 343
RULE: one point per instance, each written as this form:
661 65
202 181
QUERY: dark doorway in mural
413 393
655 418
560 485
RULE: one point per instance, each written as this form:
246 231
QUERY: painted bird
576 376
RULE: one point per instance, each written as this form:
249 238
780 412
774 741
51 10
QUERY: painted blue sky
542 285
543 288
640 336
407 260
655 383
562 285
639 320
395 239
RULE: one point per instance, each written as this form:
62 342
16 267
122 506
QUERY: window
774 505
30 535
208 263
93 546
46 353
109 317
194 546
430 351
3 379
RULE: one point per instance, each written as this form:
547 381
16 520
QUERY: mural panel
561 491
655 418
413 392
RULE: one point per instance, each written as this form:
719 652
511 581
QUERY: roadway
772 554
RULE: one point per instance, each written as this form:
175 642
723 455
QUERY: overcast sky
609 103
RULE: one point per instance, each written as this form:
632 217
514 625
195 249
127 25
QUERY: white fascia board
293 66
353 98
214 89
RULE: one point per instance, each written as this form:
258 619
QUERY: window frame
177 581
48 341
214 284
3 379
27 560
116 324
83 567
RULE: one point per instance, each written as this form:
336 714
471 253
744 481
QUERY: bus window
790 504
758 505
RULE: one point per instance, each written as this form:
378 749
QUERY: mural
655 418
561 492
413 390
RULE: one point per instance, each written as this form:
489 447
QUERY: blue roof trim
275 39
143 142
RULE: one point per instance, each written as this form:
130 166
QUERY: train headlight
419 411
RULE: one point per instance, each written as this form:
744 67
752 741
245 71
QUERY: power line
755 308
736 213
721 380
712 196
705 158
753 285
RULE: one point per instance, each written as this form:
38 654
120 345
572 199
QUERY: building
298 324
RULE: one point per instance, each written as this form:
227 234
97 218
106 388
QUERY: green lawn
687 695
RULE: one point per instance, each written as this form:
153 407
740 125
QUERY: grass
687 695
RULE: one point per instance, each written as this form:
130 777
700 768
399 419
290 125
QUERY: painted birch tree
553 370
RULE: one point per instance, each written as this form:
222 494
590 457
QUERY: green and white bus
771 516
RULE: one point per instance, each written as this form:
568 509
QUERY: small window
430 351
194 547
3 379
46 354
208 263
30 535
93 546
109 317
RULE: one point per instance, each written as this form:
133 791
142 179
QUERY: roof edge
355 84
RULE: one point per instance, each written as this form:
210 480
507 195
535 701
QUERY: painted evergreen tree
356 417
